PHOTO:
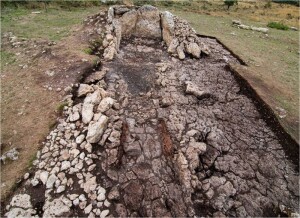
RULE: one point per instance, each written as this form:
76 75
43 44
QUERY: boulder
173 45
88 106
19 212
192 89
84 89
105 104
21 200
148 22
56 208
180 52
193 49
109 52
167 23
96 129
128 22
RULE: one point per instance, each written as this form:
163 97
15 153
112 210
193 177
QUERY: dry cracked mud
149 135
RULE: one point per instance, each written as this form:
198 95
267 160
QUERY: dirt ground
32 94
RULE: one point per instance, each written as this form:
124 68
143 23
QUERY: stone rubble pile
68 157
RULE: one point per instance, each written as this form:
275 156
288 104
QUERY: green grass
276 25
7 58
60 107
88 51
52 24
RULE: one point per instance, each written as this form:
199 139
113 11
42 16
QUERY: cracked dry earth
150 135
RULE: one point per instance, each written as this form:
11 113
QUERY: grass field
53 24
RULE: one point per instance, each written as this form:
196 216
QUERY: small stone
26 176
76 202
105 104
34 182
106 203
60 189
210 193
51 180
82 197
44 176
114 193
84 89
74 116
88 209
90 185
101 194
80 139
91 167
88 147
72 197
65 165
104 213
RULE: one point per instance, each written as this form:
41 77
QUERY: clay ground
29 109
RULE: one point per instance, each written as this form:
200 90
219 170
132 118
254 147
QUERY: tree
230 3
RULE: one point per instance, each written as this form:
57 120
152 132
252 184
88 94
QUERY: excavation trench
182 138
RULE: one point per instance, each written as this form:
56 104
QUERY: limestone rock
167 23
84 89
180 52
88 209
90 185
55 208
109 53
19 212
21 200
114 193
44 177
88 106
191 88
193 49
74 116
148 22
105 104
104 213
96 129
128 22
193 151
173 46
51 180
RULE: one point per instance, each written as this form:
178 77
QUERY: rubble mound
158 131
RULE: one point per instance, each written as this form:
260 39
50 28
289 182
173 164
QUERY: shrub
291 2
279 26
230 3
